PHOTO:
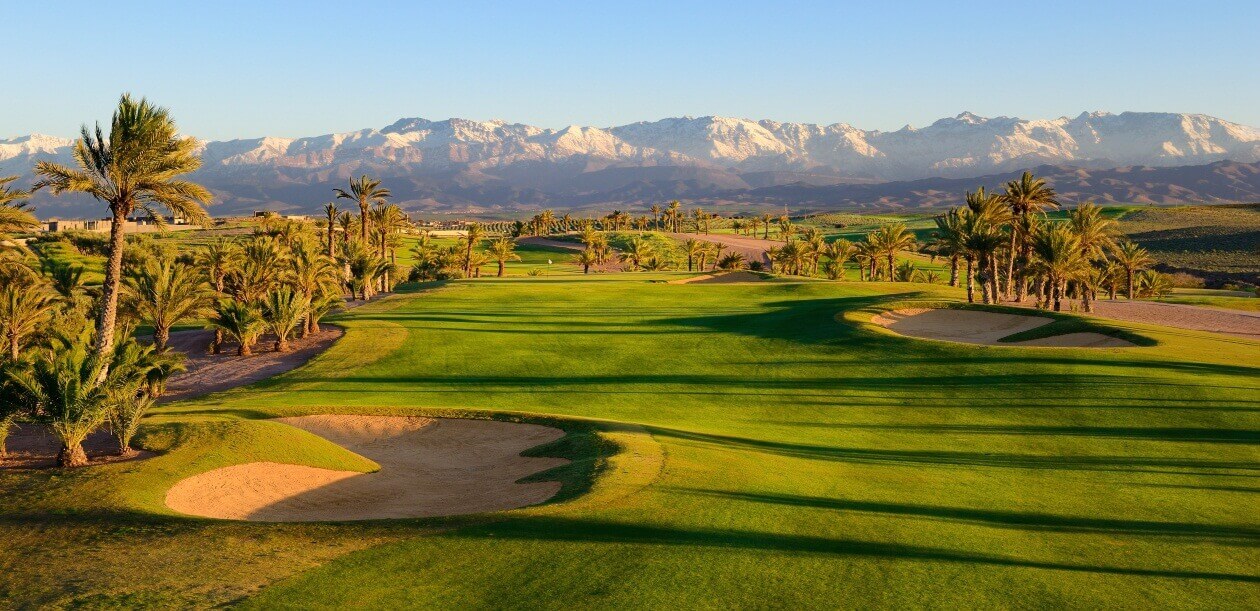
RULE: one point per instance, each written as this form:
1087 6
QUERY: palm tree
472 236
733 260
889 240
24 308
981 240
656 217
138 375
365 191
1132 258
135 170
675 209
388 221
772 255
217 260
1059 258
948 240
692 248
501 251
1025 197
330 211
164 292
586 259
546 220
754 223
766 219
67 387
240 322
257 272
637 251
837 253
65 279
313 276
1097 235
282 311
12 216
717 252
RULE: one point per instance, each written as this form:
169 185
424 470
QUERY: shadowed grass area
734 445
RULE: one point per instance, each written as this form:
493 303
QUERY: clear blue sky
246 69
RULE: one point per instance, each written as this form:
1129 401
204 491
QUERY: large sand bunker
978 327
429 467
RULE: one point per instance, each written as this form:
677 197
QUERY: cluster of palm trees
1010 248
462 259
71 359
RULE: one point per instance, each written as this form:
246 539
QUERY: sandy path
1195 318
753 249
722 278
207 373
429 467
986 328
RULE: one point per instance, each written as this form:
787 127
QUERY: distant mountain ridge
476 165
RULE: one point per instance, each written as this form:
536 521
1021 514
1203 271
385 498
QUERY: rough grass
1218 241
769 454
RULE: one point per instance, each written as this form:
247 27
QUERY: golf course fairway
760 444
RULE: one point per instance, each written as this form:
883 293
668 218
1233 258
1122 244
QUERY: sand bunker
429 467
978 327
721 278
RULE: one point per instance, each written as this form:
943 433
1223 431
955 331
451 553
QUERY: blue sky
246 69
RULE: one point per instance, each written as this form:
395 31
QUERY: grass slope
771 453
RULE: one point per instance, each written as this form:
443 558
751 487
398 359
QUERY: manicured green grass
1230 300
776 449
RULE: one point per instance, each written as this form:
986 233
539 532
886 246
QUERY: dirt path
753 249
1194 318
207 373
429 467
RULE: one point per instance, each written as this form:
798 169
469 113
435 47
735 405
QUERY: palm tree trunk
953 271
1010 264
971 283
1058 296
243 349
500 268
72 456
109 291
161 335
993 278
1129 274
363 221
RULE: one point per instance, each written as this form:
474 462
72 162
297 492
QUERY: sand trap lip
985 328
721 278
429 467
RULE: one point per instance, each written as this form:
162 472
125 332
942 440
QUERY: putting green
775 449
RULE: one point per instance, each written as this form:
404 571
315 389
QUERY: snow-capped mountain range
495 163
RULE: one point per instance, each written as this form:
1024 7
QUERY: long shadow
1196 435
1136 464
993 517
593 531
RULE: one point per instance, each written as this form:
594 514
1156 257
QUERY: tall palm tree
1097 235
981 240
388 221
837 253
330 211
692 248
364 191
1025 197
283 310
1132 258
136 169
889 240
313 276
675 212
24 308
163 292
1059 258
948 240
501 250
656 217
717 252
240 322
217 260
472 236
766 219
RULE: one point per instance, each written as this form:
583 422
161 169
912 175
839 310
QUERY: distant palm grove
72 358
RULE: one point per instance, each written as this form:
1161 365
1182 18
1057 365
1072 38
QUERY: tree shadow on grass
593 531
1184 434
951 458
999 518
